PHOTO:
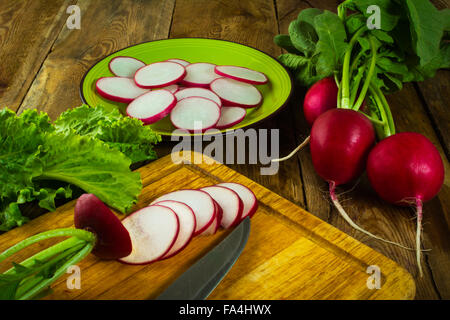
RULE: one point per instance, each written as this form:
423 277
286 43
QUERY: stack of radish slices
198 96
164 228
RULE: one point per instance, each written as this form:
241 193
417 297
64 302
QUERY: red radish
200 202
172 88
113 240
406 169
186 218
242 74
247 196
195 114
230 202
125 66
198 92
118 89
180 61
341 140
153 231
152 106
230 116
235 93
214 227
199 75
159 74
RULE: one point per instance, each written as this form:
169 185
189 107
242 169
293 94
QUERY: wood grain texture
105 28
311 260
28 29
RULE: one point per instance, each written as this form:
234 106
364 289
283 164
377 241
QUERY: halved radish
198 92
153 231
186 218
152 106
159 74
195 114
118 89
172 88
236 93
230 202
247 196
199 201
199 74
230 116
242 74
125 66
180 61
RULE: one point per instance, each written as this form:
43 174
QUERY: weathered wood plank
105 28
28 29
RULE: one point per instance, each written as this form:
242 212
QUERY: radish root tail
344 214
418 235
290 155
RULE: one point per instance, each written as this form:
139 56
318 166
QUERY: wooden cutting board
290 253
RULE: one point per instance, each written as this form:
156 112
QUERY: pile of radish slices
197 96
166 227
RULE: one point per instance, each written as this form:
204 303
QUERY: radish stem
290 155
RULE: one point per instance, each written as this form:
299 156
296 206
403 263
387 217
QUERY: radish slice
195 114
187 225
242 74
152 106
230 202
247 196
118 89
235 93
200 74
125 66
153 231
230 116
198 92
180 61
212 229
200 202
159 74
172 88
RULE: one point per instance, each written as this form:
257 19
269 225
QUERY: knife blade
202 278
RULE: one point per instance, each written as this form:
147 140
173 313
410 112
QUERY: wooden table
42 62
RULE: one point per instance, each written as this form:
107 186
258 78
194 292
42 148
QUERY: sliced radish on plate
200 202
230 202
152 106
242 74
199 74
172 88
236 93
186 218
195 114
198 92
125 66
118 89
159 74
180 61
230 116
247 196
153 231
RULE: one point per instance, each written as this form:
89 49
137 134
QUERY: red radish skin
406 169
152 106
249 200
242 74
230 202
122 66
113 240
118 89
159 74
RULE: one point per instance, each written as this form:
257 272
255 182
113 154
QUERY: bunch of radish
198 96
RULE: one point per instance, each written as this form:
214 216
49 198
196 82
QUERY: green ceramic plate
275 93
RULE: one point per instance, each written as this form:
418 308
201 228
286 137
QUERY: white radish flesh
159 74
242 74
247 196
200 202
153 231
125 66
198 92
186 218
195 114
172 88
236 93
152 106
180 61
200 75
230 116
118 89
230 202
